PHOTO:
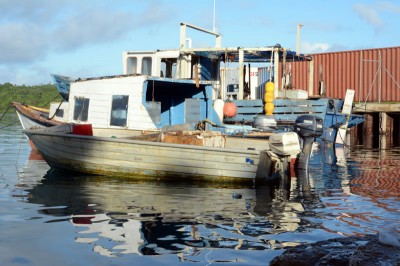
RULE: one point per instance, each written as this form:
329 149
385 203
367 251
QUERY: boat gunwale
30 132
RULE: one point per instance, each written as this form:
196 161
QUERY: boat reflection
125 216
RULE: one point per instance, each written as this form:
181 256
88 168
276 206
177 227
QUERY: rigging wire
12 123
8 108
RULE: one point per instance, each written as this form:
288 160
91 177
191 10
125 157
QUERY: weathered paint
116 156
179 101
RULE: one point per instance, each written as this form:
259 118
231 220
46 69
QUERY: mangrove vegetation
38 95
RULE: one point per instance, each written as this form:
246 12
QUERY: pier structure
374 75
381 125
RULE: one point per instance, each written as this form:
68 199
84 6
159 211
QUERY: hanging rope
56 110
8 108
8 125
48 103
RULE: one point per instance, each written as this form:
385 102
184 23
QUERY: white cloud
389 7
313 48
97 26
375 14
21 43
369 14
31 30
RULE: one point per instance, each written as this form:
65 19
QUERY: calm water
50 218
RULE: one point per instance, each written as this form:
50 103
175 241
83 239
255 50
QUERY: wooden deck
370 107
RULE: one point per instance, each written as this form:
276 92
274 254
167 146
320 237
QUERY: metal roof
253 54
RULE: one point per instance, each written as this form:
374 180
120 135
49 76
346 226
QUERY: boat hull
137 158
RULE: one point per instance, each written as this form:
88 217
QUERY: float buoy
269 98
219 108
230 109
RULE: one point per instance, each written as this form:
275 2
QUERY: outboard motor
308 127
264 122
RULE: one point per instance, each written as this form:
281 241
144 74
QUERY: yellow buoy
269 86
269 98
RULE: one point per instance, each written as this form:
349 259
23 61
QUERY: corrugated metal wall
300 75
373 73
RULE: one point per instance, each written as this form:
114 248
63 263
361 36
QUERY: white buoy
219 108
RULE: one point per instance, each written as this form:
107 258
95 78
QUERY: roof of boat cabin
148 78
250 54
257 54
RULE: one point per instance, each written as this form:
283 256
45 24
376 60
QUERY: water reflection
124 216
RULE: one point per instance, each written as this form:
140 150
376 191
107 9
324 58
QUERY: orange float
230 109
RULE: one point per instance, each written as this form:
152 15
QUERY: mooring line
18 155
8 108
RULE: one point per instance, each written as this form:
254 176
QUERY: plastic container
82 129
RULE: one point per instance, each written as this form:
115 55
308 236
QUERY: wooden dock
382 123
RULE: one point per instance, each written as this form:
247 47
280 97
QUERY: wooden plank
250 110
285 109
300 109
294 102
254 103
240 118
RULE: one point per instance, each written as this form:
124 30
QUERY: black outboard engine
308 127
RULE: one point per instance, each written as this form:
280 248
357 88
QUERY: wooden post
382 123
311 78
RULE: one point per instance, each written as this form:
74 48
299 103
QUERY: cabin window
132 65
146 66
119 110
81 109
60 113
168 68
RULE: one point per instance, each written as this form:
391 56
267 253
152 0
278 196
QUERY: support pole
276 72
241 78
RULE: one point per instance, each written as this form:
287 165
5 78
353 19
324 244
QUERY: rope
56 110
15 122
8 108
18 155
46 104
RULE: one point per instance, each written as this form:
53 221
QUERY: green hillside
39 95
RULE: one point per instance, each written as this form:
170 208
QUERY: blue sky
85 38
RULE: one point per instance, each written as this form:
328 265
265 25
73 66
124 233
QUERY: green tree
38 95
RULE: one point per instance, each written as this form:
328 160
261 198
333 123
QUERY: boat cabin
169 87
138 102
151 63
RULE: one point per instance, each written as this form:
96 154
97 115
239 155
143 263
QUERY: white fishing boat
204 155
162 91
168 87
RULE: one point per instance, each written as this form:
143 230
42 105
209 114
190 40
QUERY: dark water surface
52 218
